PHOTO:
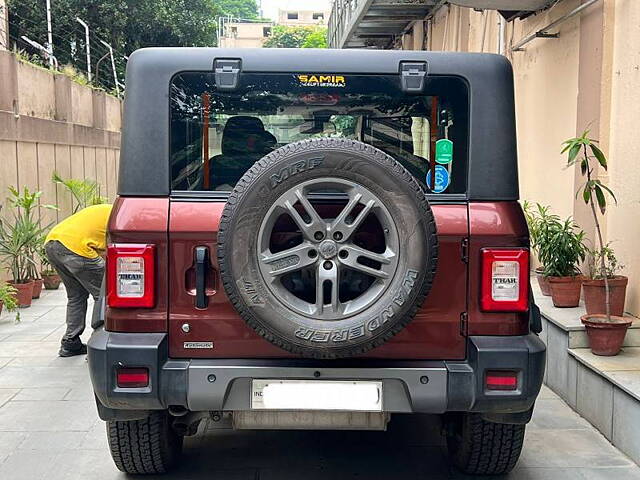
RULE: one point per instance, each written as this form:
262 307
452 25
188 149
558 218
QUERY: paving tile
614 473
7 394
92 464
52 441
547 393
9 442
24 377
626 423
569 448
627 359
556 414
595 400
28 465
41 393
48 416
5 360
29 349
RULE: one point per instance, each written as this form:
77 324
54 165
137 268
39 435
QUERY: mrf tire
480 447
147 446
259 189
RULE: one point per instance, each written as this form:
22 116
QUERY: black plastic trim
144 165
171 379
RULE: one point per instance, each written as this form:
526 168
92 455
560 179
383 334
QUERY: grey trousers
81 277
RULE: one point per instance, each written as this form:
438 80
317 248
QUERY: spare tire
327 247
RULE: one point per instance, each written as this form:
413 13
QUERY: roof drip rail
544 31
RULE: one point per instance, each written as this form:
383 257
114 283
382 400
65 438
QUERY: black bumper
224 385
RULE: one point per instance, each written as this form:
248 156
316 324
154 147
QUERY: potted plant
8 299
19 237
50 277
561 254
593 286
540 223
605 330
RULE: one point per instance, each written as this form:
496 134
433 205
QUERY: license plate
316 395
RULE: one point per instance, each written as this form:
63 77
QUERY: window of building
318 16
292 15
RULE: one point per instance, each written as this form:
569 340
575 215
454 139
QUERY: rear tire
479 447
145 446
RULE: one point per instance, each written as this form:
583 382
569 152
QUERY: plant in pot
593 286
8 299
19 237
605 329
561 253
540 223
26 205
50 277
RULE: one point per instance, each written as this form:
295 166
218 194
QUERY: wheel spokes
327 280
317 224
289 260
355 253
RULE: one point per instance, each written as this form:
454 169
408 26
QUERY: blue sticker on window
443 179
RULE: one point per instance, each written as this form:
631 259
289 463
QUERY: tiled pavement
49 430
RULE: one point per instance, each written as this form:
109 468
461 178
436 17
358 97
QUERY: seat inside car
244 141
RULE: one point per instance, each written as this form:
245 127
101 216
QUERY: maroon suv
317 239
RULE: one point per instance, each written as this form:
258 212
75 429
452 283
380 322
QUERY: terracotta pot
594 295
565 291
51 281
543 282
606 336
25 293
37 288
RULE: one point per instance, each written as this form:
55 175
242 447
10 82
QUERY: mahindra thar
317 239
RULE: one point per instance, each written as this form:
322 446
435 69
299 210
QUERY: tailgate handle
202 266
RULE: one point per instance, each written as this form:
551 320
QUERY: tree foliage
283 36
245 9
126 24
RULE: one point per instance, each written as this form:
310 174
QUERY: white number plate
316 395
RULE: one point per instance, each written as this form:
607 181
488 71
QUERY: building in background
244 34
302 18
239 33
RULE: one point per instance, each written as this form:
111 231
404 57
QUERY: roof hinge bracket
412 76
227 73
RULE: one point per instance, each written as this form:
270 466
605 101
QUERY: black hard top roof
144 157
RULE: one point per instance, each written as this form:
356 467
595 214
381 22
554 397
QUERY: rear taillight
505 280
132 377
131 275
501 380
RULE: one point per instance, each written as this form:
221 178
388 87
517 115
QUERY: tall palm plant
85 192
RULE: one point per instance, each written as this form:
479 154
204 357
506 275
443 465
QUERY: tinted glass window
217 136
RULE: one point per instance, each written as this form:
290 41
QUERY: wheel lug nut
343 254
327 265
337 236
312 254
318 235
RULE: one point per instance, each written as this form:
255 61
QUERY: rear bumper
225 385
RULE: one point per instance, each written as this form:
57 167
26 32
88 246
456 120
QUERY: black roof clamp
412 76
227 72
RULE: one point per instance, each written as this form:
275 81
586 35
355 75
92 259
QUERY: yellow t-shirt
84 232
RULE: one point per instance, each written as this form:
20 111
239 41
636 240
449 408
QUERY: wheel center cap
328 249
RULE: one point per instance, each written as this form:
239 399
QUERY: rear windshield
217 136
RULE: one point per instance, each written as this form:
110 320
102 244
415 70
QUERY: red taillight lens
501 380
505 280
131 275
132 377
